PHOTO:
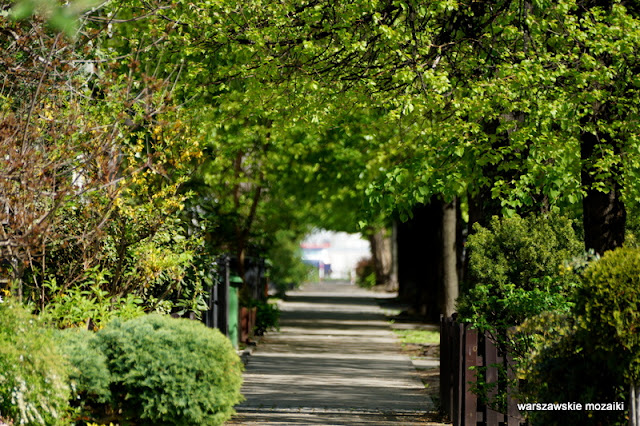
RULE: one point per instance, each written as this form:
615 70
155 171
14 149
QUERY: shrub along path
334 362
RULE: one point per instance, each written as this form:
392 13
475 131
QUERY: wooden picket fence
460 349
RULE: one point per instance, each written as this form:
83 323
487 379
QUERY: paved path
335 361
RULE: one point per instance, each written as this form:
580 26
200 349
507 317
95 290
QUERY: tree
95 162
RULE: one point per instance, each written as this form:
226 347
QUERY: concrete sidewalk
335 361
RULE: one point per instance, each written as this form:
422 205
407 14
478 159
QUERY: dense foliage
517 267
520 269
171 371
267 317
597 336
89 376
34 387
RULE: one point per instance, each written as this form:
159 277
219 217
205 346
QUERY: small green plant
34 386
171 371
365 273
87 305
267 317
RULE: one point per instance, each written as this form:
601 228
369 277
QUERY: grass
418 336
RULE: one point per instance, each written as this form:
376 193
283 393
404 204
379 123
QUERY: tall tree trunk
449 257
604 214
381 255
420 260
393 274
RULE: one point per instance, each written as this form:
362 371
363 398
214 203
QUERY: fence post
470 360
445 366
513 414
458 369
210 317
223 296
490 362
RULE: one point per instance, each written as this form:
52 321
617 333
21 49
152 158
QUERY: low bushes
570 321
518 270
267 316
593 355
365 273
171 371
34 386
148 370
89 376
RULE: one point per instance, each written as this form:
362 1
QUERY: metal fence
461 349
216 316
217 313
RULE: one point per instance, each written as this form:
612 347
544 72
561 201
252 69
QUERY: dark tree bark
604 214
420 273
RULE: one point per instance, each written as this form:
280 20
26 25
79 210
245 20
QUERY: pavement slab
335 361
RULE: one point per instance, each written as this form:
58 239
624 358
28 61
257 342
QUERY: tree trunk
381 255
392 285
603 212
420 260
449 257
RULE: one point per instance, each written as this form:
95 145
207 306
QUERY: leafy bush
565 366
365 273
593 354
89 375
267 317
609 302
171 371
33 375
518 270
84 305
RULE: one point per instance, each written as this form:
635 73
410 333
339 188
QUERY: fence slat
491 358
513 414
446 395
471 355
458 388
460 349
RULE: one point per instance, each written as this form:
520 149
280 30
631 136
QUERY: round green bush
609 303
516 266
517 270
171 371
89 375
33 375
591 354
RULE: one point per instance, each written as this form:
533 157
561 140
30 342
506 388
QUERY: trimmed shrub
89 375
593 354
517 270
171 371
565 366
33 375
609 302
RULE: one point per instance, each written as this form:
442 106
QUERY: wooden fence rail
460 349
